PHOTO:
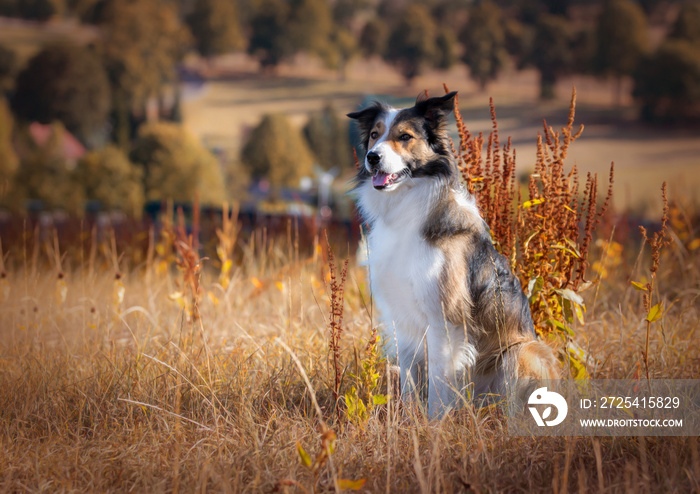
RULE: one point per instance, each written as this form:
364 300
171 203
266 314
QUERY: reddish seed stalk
539 239
337 288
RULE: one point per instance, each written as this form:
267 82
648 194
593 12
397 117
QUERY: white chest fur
404 269
405 273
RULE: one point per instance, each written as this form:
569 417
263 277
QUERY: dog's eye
406 137
374 134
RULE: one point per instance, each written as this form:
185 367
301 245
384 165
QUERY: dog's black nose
373 158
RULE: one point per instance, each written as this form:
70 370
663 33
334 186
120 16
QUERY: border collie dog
452 310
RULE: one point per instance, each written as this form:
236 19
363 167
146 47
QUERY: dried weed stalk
335 323
546 237
657 242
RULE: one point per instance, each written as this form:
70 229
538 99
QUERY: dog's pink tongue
380 179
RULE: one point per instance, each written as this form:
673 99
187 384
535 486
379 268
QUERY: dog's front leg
411 362
442 373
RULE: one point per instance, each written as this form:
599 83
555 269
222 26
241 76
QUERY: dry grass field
107 382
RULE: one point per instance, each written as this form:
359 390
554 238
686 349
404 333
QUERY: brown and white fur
449 302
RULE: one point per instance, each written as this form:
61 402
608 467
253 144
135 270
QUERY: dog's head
405 143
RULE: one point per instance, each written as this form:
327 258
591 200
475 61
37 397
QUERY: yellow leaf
227 266
579 313
279 286
213 298
256 282
303 455
175 295
533 202
695 244
119 291
353 485
639 286
379 399
656 312
566 249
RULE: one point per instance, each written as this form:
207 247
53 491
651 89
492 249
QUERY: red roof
72 148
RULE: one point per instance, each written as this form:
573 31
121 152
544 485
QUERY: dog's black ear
435 110
366 118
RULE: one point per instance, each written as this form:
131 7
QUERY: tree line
101 92
608 38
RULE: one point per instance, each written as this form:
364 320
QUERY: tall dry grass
108 384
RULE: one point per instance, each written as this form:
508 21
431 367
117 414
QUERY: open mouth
383 181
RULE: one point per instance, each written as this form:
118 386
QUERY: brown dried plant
546 237
188 262
657 242
228 236
335 323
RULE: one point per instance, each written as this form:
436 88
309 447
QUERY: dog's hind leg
535 360
529 364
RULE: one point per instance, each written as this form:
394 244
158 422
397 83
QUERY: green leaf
353 485
560 325
532 202
303 455
379 399
656 312
639 286
568 311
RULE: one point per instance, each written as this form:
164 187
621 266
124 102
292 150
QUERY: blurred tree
551 51
342 47
45 174
448 14
267 40
142 40
66 83
108 176
346 12
583 48
215 27
83 9
39 10
309 25
687 24
176 166
520 37
484 41
556 7
327 135
621 36
8 67
277 151
281 29
412 41
446 48
8 157
668 82
373 38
